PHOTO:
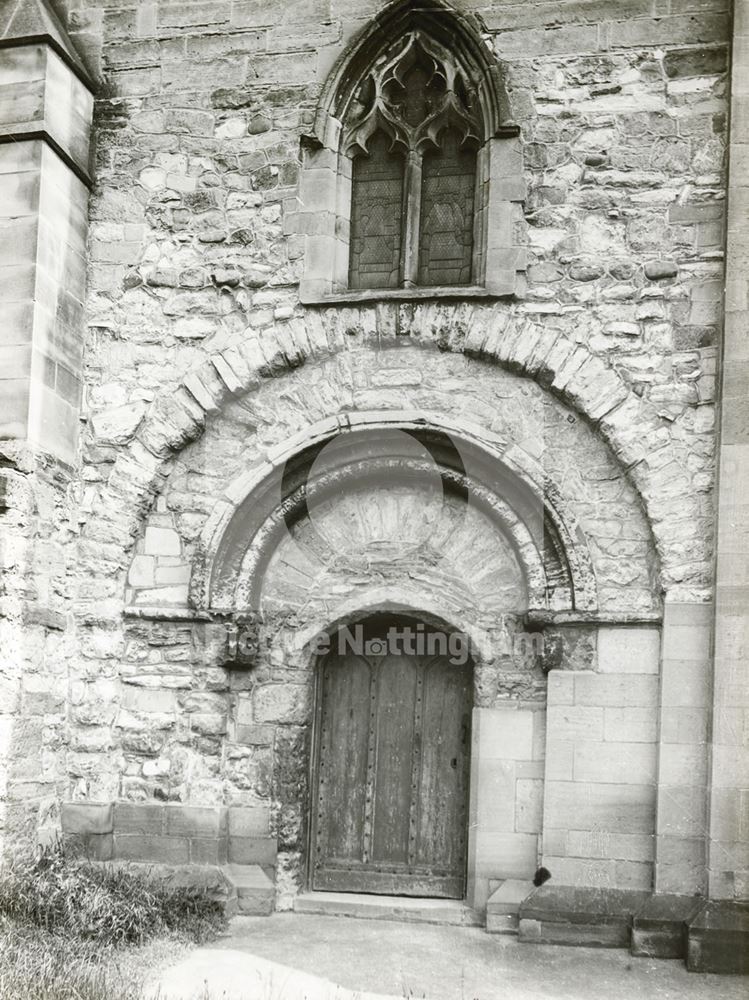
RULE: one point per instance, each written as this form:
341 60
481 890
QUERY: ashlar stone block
628 650
162 542
503 734
87 817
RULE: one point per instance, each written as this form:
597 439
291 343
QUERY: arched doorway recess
391 771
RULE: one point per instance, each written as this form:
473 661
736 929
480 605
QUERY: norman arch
584 382
492 475
254 527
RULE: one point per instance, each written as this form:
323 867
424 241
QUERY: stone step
575 915
451 912
718 938
255 893
503 906
659 928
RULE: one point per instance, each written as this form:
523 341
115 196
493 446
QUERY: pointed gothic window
413 134
412 182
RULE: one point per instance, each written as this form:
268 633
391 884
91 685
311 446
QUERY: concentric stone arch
227 552
582 381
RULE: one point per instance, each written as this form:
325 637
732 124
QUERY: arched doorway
392 760
417 513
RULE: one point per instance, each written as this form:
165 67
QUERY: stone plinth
595 918
172 834
254 890
718 939
503 906
659 929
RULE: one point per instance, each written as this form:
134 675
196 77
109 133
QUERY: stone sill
542 617
535 617
352 297
170 613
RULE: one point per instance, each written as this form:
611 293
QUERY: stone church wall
194 255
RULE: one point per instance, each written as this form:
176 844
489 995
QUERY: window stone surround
323 212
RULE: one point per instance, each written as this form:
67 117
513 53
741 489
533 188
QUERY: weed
60 892
69 927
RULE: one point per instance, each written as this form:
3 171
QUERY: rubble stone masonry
199 364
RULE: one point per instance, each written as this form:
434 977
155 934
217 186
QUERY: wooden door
393 755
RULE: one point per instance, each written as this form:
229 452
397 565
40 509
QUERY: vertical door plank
396 702
342 778
445 767
393 772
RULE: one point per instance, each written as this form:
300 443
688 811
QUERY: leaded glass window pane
446 231
376 216
413 132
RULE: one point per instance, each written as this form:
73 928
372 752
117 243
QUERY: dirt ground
464 963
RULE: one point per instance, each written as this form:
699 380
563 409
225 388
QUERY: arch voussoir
520 343
595 389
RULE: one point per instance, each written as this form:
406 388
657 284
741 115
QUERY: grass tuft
60 892
38 965
74 930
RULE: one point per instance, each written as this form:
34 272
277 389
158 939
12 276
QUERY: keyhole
454 762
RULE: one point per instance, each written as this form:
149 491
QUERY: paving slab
463 963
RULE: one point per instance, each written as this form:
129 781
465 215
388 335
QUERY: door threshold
410 909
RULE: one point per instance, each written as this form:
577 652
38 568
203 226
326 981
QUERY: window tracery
413 132
412 180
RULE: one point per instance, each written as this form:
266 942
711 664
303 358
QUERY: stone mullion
412 219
